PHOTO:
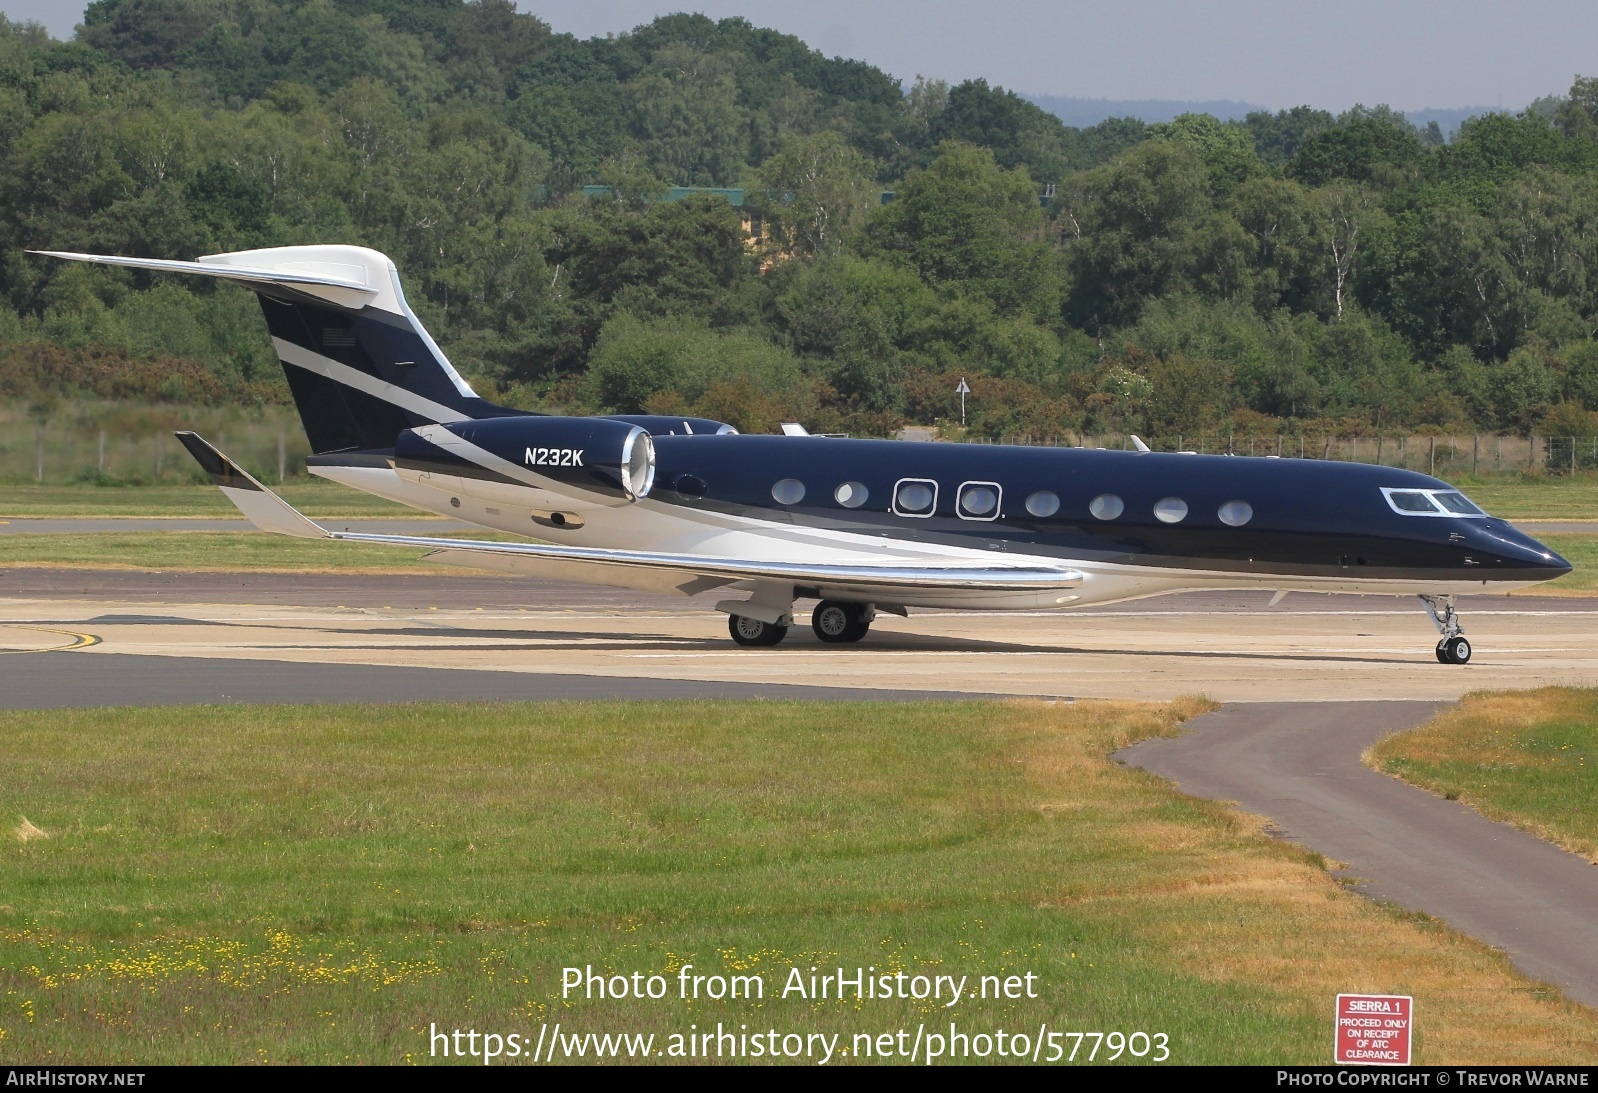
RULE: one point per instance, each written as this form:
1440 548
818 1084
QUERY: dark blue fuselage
1307 517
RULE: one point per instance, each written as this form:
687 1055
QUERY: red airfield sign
1373 1029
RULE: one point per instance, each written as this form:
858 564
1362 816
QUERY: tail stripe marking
312 361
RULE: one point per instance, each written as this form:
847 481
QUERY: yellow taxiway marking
79 641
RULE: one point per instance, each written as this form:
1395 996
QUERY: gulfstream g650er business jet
863 526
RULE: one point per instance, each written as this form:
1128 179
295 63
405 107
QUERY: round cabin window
1170 510
914 497
1043 503
980 500
1106 506
851 495
1236 513
789 491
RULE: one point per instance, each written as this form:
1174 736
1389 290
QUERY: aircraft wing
655 571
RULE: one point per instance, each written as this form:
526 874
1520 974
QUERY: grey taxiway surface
1299 764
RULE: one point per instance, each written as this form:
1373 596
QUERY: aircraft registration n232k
863 526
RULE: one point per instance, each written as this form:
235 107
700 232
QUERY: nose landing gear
1453 647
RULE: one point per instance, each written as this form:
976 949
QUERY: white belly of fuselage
653 526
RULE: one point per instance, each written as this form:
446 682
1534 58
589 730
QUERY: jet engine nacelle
599 457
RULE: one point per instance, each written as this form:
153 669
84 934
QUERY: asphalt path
44 681
1299 764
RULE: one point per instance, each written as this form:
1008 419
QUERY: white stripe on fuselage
656 526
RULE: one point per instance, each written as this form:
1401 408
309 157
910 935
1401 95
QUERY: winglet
265 509
1137 441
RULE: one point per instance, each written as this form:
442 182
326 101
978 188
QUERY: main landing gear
748 631
1453 647
839 623
834 622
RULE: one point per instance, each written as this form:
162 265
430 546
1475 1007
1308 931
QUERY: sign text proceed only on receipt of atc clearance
1373 1029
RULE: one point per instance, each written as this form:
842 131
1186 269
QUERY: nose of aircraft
1517 550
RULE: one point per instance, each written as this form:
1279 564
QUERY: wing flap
987 578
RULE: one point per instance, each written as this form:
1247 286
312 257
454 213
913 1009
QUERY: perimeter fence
117 444
1484 453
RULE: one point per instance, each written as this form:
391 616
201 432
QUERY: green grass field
1540 498
1581 551
1529 759
326 884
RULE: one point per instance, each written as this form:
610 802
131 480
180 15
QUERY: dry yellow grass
1228 912
26 832
1528 758
484 847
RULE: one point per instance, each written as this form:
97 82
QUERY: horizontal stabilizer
350 291
265 509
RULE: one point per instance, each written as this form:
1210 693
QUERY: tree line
1292 270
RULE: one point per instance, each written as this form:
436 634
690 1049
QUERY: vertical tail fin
359 363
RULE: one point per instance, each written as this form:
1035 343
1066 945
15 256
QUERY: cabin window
1410 501
1449 504
979 500
851 495
1170 510
915 497
1043 503
1456 503
1236 513
789 491
1106 506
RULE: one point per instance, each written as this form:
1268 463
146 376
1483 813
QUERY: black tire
861 626
839 623
1457 649
748 631
832 621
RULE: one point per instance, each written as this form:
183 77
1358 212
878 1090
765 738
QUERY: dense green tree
1128 226
1019 133
966 224
1277 137
820 191
1225 150
1193 274
1357 150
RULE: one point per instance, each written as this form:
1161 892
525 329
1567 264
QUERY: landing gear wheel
840 623
1452 648
748 631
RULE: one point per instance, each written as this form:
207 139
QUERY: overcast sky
1410 54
